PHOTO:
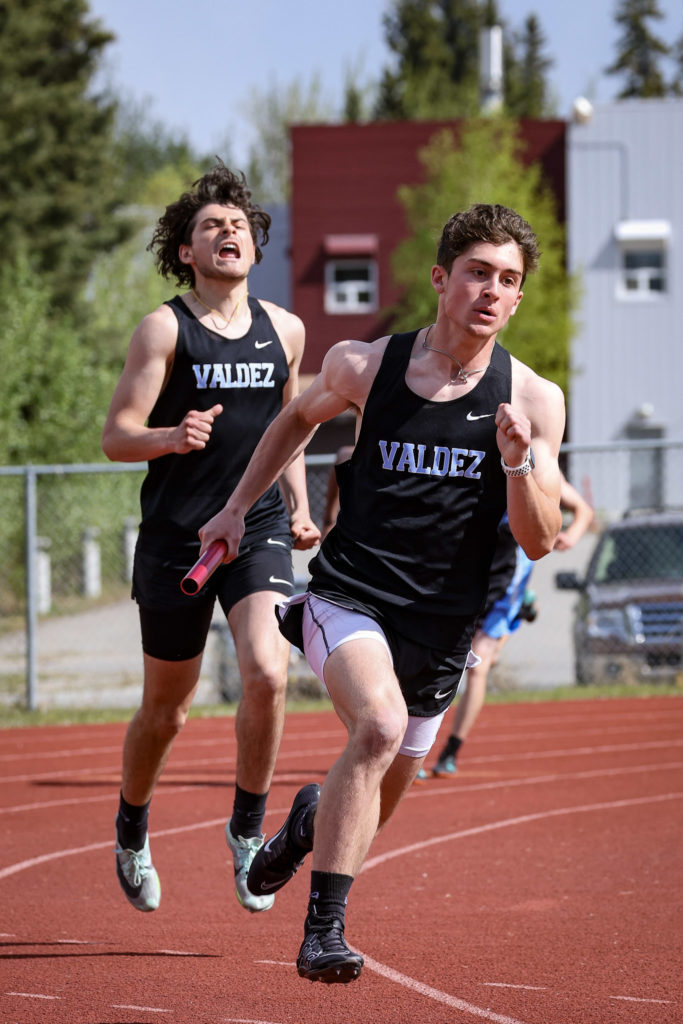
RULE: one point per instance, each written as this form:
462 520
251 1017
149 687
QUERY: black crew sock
453 744
131 824
328 896
248 811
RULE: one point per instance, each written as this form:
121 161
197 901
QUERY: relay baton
204 567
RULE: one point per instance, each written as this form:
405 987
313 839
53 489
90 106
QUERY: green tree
435 44
145 145
52 387
485 165
358 95
639 51
273 111
436 61
527 92
124 284
59 176
676 87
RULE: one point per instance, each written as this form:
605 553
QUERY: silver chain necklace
461 376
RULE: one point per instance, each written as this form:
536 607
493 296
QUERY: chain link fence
69 633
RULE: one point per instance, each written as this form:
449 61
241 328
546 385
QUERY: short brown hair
485 222
174 228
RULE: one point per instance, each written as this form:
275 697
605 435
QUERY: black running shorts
175 625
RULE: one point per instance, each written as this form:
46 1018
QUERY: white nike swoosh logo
274 579
443 693
484 415
262 344
280 542
266 886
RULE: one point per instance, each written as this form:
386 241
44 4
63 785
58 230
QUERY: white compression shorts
327 626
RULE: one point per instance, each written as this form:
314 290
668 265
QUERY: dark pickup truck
628 620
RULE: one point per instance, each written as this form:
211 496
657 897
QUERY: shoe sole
129 892
253 910
300 800
339 974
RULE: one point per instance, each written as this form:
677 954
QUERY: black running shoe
324 955
282 855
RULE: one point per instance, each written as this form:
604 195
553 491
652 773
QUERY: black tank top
420 503
247 376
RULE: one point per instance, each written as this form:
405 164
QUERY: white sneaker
138 878
243 852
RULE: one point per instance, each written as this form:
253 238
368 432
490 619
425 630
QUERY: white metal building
625 240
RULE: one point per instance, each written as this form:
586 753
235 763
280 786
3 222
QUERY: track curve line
523 819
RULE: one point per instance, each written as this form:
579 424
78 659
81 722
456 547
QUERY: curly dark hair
174 228
484 222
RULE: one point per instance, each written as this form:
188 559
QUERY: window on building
350 286
643 257
351 274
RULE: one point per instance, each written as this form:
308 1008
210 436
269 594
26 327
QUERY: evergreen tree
436 48
485 166
526 91
59 190
639 51
676 87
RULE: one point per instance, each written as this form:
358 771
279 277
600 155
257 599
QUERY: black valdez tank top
247 376
420 503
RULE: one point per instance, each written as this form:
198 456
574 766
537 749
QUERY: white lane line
529 755
460 787
637 999
615 748
522 819
178 952
41 805
187 743
173 766
440 790
140 1009
13 869
248 1020
507 984
30 995
436 994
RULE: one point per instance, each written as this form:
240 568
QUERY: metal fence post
43 575
130 536
30 512
92 562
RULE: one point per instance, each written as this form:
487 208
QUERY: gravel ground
94 659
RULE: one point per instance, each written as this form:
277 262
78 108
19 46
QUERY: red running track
541 886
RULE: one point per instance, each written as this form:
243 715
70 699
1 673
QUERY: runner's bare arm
533 420
343 383
305 533
126 437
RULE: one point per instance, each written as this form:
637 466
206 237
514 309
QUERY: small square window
642 270
351 286
642 249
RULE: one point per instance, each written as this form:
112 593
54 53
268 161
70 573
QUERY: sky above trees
197 72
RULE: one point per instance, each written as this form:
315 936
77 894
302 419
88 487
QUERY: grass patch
14 717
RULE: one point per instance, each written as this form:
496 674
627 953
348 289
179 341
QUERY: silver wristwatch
522 470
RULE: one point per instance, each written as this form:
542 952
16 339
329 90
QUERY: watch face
531 458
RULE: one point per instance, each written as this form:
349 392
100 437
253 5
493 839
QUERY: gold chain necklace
462 376
216 312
